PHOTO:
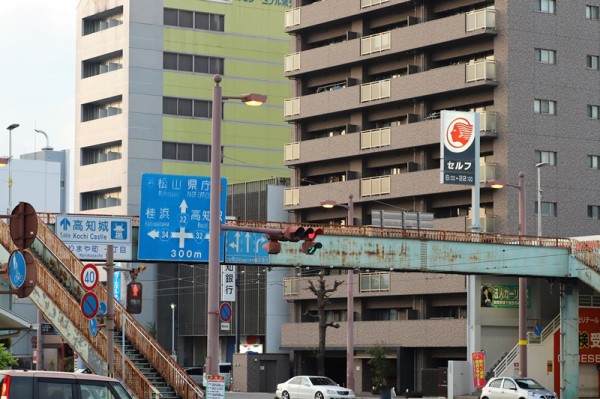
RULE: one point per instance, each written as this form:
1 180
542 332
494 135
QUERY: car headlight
331 391
531 394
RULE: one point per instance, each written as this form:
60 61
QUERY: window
594 211
545 56
548 6
101 153
594 161
187 107
592 111
195 20
100 199
544 107
592 12
186 152
193 63
591 61
548 208
374 282
103 21
548 157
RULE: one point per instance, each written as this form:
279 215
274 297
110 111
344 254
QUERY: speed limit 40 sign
89 276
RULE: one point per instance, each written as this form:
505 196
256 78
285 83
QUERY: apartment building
145 76
369 79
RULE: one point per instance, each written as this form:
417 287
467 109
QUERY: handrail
171 371
503 365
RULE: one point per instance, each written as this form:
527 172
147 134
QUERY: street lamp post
214 234
350 299
10 129
522 280
539 197
173 330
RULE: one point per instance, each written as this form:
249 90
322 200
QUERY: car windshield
322 381
528 383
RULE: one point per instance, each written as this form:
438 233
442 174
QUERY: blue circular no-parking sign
89 305
17 269
225 312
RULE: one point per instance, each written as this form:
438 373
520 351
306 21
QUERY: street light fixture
350 297
522 280
214 234
47 147
10 129
539 166
173 330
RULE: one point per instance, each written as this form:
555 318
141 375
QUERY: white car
515 388
312 387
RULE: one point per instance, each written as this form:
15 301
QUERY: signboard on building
459 140
215 387
228 283
175 218
88 236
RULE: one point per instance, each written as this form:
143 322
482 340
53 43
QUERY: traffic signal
134 297
309 246
273 246
293 233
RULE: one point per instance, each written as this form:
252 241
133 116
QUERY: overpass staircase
145 367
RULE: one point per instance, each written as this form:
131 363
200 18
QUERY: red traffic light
134 297
311 234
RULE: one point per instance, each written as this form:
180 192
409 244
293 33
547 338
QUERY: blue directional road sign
246 248
17 269
175 218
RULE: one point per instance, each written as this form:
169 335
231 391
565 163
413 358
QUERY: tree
379 365
322 293
6 358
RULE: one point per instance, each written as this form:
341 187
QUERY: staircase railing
58 253
504 363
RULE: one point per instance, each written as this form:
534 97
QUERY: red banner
478 369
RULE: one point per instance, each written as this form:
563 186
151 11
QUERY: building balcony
394 42
449 80
380 188
321 12
399 333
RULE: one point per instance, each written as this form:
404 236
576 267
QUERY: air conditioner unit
111 156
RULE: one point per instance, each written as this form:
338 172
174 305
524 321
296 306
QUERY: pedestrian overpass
58 291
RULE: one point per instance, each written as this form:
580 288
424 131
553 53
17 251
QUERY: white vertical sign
228 283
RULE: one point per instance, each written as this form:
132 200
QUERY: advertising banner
478 369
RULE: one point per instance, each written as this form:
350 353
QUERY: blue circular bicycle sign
17 269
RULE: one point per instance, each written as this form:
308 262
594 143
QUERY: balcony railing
375 43
369 3
375 138
291 286
487 171
375 91
482 70
487 121
291 151
375 186
291 196
291 62
291 106
292 17
481 19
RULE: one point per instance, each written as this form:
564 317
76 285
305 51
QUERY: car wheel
318 395
285 395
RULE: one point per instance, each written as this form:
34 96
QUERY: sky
37 83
